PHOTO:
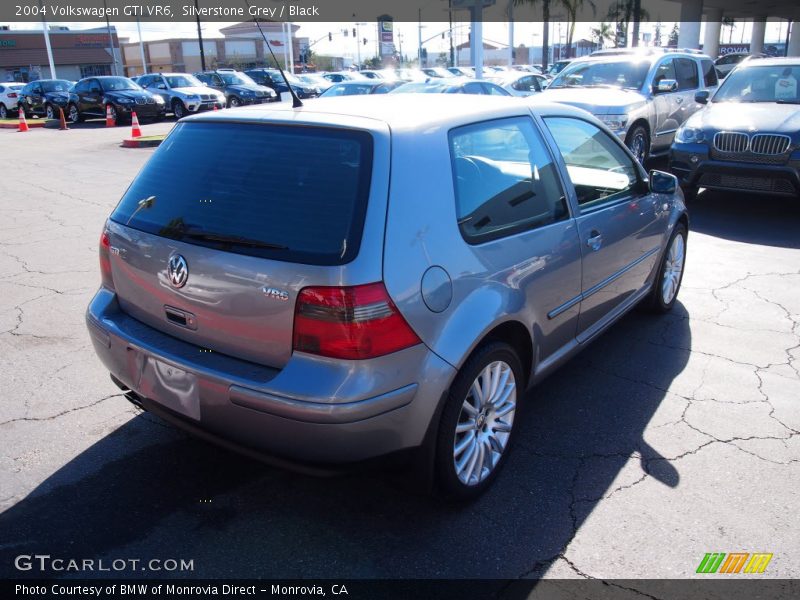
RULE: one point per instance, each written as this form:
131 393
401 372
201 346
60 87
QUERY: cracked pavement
667 438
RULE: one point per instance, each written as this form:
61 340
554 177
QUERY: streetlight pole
141 46
46 30
199 39
419 38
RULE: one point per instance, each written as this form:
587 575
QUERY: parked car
396 291
556 67
642 97
91 97
521 83
182 93
9 99
405 74
462 71
360 88
315 80
452 86
438 73
727 62
272 79
44 98
238 88
747 138
339 76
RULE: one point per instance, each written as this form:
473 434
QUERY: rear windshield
288 193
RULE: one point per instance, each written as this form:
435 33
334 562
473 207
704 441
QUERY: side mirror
665 85
702 97
663 183
161 86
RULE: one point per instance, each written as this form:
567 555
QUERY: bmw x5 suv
414 265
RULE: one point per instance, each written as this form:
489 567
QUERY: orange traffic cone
110 122
135 129
63 122
215 107
23 124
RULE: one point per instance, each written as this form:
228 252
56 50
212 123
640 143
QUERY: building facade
76 54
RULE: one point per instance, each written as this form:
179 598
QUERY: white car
9 99
520 83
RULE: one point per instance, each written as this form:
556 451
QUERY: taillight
350 322
105 260
12 94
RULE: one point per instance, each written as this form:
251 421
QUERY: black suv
91 97
44 97
238 88
271 78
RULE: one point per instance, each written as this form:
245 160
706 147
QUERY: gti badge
275 294
178 271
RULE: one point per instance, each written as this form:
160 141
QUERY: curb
15 125
146 142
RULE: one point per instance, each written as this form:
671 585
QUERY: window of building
95 70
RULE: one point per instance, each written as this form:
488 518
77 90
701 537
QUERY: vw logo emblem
178 271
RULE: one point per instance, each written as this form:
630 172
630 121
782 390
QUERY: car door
36 104
619 222
667 108
514 216
688 77
160 86
91 102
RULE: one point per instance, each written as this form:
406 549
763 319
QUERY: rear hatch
228 221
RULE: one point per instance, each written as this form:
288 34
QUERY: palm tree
546 26
572 7
603 33
625 11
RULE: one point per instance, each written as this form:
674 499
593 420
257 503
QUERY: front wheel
670 273
478 421
74 114
178 109
638 141
49 112
234 102
689 192
3 111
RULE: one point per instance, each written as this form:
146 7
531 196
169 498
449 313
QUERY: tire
638 141
660 301
178 109
466 429
49 111
73 115
689 192
3 111
234 102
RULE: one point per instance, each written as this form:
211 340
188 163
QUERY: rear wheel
49 111
670 273
3 111
478 421
638 141
74 114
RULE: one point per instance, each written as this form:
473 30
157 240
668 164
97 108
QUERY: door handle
595 240
679 100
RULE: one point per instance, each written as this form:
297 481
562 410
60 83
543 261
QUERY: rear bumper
313 410
693 166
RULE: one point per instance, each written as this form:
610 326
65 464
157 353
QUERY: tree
672 40
572 7
545 25
603 33
622 13
730 23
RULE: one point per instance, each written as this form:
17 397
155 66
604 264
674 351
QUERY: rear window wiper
233 240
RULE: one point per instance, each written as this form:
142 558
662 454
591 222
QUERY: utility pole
46 30
419 38
110 40
199 39
450 14
141 46
358 46
510 33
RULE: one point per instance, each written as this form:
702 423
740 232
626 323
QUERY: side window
473 88
709 73
598 167
523 84
217 80
82 86
686 69
505 179
145 81
494 90
666 70
37 89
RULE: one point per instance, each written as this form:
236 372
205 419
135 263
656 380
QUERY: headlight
193 97
690 135
614 122
126 101
159 99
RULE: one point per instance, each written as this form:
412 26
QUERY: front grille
140 100
731 142
206 96
777 185
151 100
769 144
749 157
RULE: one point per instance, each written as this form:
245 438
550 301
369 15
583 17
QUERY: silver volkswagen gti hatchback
364 276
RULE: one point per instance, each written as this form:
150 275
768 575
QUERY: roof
400 112
61 56
770 62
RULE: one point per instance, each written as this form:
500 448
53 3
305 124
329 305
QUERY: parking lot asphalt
667 438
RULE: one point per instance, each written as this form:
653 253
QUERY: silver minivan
377 275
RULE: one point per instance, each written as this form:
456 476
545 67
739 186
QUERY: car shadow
148 491
749 218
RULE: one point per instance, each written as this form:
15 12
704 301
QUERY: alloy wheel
484 423
673 269
50 113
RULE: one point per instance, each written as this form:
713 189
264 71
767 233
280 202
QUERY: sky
526 33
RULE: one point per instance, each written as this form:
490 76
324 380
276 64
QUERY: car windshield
179 81
625 74
116 84
56 85
768 83
348 89
420 88
236 78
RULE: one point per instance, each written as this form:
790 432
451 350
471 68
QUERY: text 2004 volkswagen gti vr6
374 275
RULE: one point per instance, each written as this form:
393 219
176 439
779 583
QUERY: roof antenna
296 103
